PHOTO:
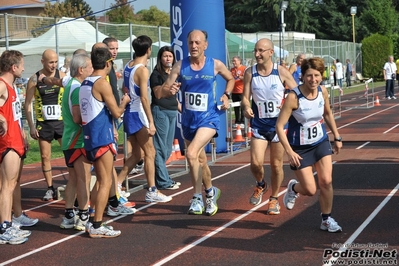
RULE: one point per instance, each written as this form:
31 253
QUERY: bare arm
141 78
246 96
292 68
291 103
222 70
30 93
50 80
286 77
102 90
170 86
77 118
330 121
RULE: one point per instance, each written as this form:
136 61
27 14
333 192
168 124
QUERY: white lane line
363 225
361 146
109 221
391 128
214 232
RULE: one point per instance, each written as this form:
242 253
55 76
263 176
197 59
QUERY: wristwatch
338 139
228 94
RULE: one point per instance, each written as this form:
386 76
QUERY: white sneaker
196 207
11 236
24 220
120 210
156 196
20 232
103 231
393 97
290 196
137 169
68 223
50 195
388 97
122 193
330 225
211 202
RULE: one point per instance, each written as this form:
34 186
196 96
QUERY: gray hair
78 60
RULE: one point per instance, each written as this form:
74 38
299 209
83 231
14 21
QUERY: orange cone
239 137
377 101
176 147
249 134
172 156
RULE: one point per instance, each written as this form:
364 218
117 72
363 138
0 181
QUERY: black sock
113 201
84 215
76 204
261 183
51 187
91 218
69 213
97 225
293 188
140 162
325 216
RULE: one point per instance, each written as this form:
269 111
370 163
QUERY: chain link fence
16 29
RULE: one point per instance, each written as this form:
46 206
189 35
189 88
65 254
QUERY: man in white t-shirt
389 72
339 72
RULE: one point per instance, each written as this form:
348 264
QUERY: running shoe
139 168
290 196
50 195
122 193
156 196
256 197
103 231
330 225
176 183
211 202
20 232
24 220
120 210
80 225
11 236
274 207
173 186
68 223
196 207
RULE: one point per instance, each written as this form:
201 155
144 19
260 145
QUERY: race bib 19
268 109
311 134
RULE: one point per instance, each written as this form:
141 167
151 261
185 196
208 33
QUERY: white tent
72 34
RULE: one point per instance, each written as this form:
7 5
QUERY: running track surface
366 201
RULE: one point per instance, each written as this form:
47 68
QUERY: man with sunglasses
264 83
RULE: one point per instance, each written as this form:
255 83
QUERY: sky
98 5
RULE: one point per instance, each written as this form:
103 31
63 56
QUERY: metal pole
130 38
353 27
6 28
56 36
282 33
96 24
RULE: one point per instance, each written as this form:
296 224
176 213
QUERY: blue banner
208 15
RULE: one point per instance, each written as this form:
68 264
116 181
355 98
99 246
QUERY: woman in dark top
164 112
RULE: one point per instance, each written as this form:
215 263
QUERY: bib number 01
51 112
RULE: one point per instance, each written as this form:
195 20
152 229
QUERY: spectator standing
238 73
339 72
348 72
164 112
295 69
49 124
389 72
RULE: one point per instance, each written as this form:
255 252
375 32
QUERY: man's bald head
49 53
265 43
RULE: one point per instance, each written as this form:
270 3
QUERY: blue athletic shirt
97 122
199 94
306 125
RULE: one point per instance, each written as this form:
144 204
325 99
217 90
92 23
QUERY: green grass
33 155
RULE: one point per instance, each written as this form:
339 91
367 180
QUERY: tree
122 12
69 8
153 16
82 7
375 49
